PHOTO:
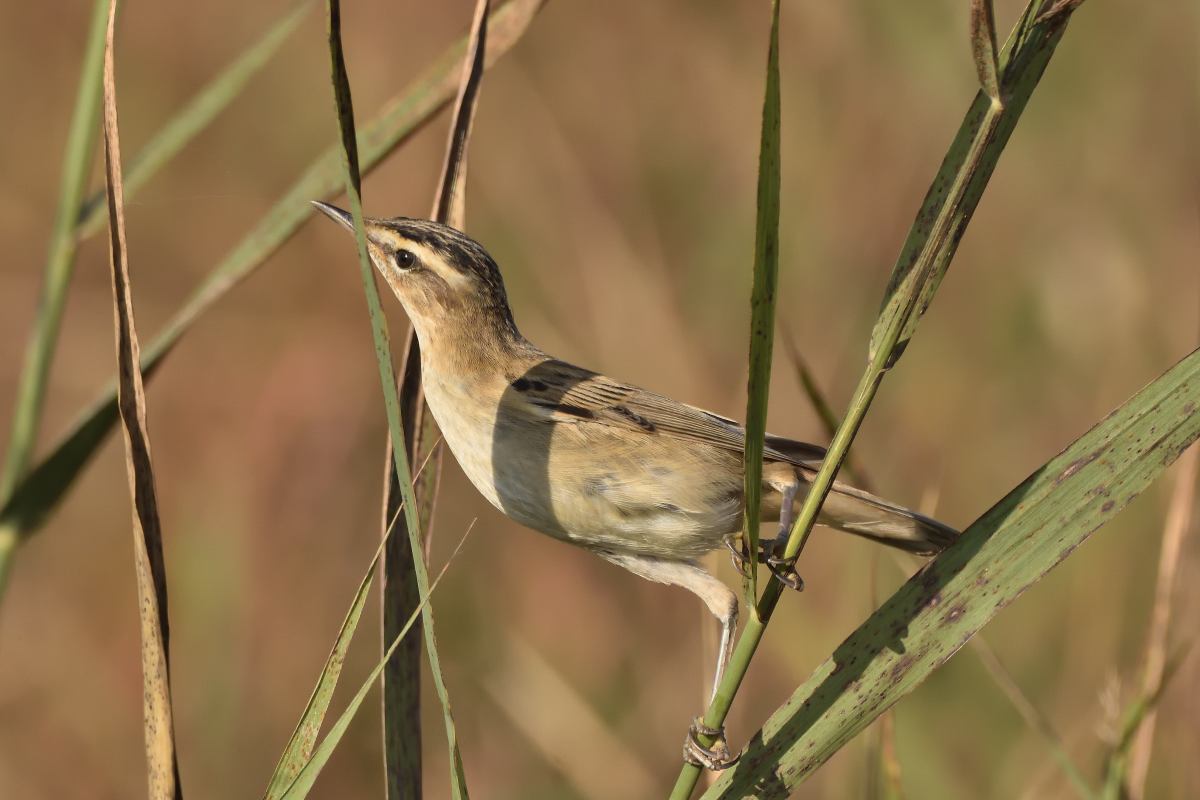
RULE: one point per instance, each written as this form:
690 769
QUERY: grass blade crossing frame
60 262
923 261
300 745
402 675
303 783
762 313
197 115
345 112
36 495
1014 544
161 763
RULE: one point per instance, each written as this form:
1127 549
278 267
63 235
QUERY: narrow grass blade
345 112
162 767
60 261
402 675
1175 530
948 207
304 737
1117 763
399 595
931 244
197 115
449 206
983 48
1008 549
1059 8
48 483
762 313
820 404
304 781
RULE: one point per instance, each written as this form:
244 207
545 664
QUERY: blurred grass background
612 175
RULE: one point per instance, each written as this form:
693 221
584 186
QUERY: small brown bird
639 479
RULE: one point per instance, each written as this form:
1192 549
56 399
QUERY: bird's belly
621 498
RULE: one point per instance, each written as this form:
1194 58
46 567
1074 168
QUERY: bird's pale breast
586 482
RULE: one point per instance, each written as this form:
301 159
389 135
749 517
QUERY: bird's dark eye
405 259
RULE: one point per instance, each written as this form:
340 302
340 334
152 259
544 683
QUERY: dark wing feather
568 394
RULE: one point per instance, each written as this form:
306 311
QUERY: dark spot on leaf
1107 507
900 667
1079 464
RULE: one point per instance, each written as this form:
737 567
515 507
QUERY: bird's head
446 281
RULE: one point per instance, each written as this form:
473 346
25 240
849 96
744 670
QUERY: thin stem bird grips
923 261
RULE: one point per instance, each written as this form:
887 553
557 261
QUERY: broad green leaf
762 311
1012 546
931 244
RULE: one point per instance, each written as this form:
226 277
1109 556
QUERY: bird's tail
861 513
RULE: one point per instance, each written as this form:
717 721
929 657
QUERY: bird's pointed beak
336 214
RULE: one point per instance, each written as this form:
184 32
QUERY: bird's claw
784 570
735 553
715 757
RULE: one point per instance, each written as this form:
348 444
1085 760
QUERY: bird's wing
563 393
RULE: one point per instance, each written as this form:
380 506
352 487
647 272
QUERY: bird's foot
715 757
783 568
738 556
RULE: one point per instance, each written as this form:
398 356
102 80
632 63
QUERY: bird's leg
723 604
784 569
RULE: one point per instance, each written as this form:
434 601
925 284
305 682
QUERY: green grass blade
1116 769
931 244
162 765
345 113
48 483
762 311
401 695
197 115
304 738
1008 549
60 261
399 596
303 783
983 48
821 406
944 215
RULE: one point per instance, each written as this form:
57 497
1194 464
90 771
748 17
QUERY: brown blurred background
612 175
